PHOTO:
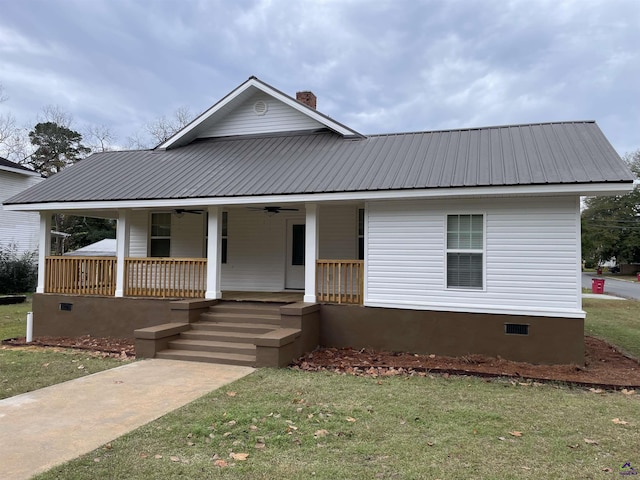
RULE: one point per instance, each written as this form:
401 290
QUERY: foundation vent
66 307
516 329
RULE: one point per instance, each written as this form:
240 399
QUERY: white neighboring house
101 248
17 228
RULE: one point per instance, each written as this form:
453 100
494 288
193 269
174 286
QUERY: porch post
311 251
122 250
44 248
214 251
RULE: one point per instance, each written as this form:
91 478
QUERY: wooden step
258 328
209 357
213 346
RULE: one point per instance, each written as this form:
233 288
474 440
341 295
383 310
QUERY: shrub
18 272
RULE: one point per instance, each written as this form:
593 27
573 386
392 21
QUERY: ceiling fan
182 211
273 209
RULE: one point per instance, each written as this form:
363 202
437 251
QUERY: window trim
360 236
482 251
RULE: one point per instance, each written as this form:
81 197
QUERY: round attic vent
260 107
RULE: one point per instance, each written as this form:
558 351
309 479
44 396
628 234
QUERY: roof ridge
489 127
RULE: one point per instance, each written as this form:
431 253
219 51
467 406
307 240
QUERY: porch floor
280 297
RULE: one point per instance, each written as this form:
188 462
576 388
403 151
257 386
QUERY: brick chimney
308 98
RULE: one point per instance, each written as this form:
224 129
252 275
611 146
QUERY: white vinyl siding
138 233
187 235
21 229
531 250
244 121
338 233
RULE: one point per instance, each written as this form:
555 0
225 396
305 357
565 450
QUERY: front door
294 274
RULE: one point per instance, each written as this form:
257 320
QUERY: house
449 242
102 248
17 229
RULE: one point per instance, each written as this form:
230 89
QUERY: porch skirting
521 338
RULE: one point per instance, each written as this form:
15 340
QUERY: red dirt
604 366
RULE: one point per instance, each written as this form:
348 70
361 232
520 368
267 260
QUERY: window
361 234
160 243
465 251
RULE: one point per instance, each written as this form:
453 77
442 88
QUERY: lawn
26 369
290 424
616 321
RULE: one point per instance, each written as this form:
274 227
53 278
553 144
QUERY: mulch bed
605 366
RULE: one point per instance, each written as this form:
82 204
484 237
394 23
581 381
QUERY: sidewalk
50 426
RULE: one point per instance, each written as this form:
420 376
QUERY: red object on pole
599 271
639 276
597 285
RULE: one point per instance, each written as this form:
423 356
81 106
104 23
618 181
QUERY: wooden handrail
340 281
80 275
165 277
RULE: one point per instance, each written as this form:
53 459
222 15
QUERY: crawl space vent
516 329
260 107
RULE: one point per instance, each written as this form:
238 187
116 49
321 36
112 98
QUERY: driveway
612 286
50 426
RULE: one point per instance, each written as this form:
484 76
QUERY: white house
17 229
449 242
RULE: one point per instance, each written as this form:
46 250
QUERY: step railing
165 277
80 275
340 281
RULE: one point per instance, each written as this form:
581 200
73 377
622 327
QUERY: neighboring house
101 248
450 242
17 229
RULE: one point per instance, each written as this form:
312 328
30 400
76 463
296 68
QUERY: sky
377 66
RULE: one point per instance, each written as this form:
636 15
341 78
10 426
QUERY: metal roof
313 162
10 166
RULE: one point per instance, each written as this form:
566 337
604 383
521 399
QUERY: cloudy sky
377 66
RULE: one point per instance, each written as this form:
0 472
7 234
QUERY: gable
260 114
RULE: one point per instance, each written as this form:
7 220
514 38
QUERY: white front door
294 274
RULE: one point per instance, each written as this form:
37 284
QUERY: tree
611 225
56 146
160 129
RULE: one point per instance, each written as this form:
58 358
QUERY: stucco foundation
549 340
96 316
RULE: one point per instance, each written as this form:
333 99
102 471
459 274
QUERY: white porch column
311 251
44 248
214 252
122 249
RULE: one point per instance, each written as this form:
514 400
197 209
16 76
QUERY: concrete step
240 317
247 307
211 336
257 328
209 357
212 346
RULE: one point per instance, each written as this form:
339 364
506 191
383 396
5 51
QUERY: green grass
13 319
24 370
616 321
298 425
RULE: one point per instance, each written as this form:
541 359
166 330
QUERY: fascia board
20 171
432 193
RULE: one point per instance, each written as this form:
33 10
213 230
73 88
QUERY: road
612 286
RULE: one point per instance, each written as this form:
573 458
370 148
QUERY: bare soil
605 366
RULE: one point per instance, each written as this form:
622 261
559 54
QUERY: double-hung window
160 238
465 251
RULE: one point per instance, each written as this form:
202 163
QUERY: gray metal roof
312 162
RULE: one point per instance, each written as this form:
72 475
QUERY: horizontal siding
531 255
187 235
138 233
244 121
19 229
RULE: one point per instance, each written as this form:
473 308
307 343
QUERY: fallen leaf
596 390
174 459
46 364
321 433
350 419
590 442
628 392
501 438
310 416
118 381
574 446
220 463
191 444
239 456
226 434
253 428
617 421
430 444
231 423
607 469
525 468
157 457
143 455
515 434
259 446
96 460
80 367
231 394
108 446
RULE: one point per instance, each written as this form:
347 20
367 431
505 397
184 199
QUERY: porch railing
165 277
340 281
81 275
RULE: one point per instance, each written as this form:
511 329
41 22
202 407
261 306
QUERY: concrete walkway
50 426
